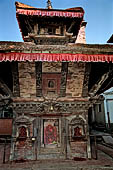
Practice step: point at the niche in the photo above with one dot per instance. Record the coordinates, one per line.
(22, 131)
(77, 128)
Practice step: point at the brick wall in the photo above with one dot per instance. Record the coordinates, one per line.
(75, 79)
(27, 79)
(78, 149)
(50, 67)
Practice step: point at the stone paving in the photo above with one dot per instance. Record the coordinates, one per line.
(104, 162)
(58, 165)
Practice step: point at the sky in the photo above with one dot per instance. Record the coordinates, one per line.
(98, 15)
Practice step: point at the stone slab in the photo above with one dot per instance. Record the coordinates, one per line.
(108, 139)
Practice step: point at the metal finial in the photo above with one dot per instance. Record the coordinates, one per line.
(49, 5)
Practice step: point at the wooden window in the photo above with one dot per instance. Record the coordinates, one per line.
(51, 84)
(6, 113)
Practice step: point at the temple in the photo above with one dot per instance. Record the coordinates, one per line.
(50, 83)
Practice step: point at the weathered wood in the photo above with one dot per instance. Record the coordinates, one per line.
(71, 26)
(64, 72)
(5, 92)
(16, 87)
(99, 84)
(86, 80)
(28, 25)
(36, 29)
(38, 66)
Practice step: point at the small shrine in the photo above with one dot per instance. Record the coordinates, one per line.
(52, 80)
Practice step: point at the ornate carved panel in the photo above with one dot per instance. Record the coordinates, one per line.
(38, 78)
(51, 106)
(86, 80)
(51, 40)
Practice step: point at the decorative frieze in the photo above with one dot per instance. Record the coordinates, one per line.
(51, 107)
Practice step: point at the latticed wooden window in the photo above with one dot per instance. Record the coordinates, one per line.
(51, 84)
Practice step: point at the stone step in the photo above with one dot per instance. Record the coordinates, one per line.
(108, 139)
(49, 150)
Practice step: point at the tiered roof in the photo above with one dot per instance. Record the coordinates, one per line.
(29, 10)
(22, 51)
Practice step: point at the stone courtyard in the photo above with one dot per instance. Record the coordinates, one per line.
(61, 165)
(103, 162)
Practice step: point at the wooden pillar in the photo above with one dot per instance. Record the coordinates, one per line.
(64, 31)
(4, 154)
(86, 80)
(36, 29)
(88, 139)
(38, 66)
(64, 72)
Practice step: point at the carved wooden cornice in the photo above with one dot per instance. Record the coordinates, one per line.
(51, 107)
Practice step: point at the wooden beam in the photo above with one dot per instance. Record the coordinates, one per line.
(36, 29)
(71, 26)
(29, 27)
(99, 84)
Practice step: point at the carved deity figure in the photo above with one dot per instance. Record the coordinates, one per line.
(50, 134)
(77, 131)
(22, 137)
(22, 132)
